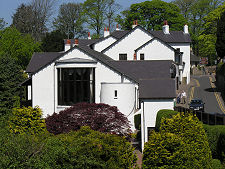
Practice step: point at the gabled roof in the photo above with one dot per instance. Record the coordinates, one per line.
(166, 44)
(125, 34)
(76, 60)
(119, 33)
(39, 60)
(172, 37)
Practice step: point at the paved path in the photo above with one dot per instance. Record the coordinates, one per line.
(205, 89)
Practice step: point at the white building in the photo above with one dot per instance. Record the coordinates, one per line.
(138, 71)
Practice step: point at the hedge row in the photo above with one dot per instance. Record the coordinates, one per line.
(164, 113)
(216, 139)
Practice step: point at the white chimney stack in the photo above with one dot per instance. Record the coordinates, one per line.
(89, 35)
(106, 32)
(186, 29)
(117, 27)
(135, 23)
(76, 42)
(166, 28)
(67, 45)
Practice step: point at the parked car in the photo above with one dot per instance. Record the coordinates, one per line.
(196, 104)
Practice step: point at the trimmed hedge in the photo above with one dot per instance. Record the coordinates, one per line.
(180, 143)
(164, 113)
(216, 164)
(216, 139)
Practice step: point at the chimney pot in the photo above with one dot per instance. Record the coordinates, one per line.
(166, 28)
(134, 24)
(106, 32)
(89, 35)
(68, 41)
(117, 27)
(135, 56)
(186, 29)
(76, 42)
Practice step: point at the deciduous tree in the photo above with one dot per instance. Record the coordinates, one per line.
(2, 23)
(220, 43)
(151, 14)
(17, 46)
(70, 21)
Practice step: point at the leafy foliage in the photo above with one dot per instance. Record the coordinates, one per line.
(53, 42)
(10, 78)
(216, 139)
(216, 164)
(70, 21)
(81, 149)
(220, 43)
(100, 117)
(151, 15)
(162, 114)
(180, 143)
(27, 120)
(86, 149)
(2, 23)
(17, 46)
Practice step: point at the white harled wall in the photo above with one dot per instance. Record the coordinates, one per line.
(45, 82)
(156, 50)
(104, 44)
(127, 45)
(149, 108)
(185, 48)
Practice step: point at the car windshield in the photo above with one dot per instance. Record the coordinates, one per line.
(196, 102)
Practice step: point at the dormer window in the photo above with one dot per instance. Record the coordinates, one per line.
(122, 56)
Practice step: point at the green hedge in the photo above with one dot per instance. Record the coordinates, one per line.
(164, 113)
(216, 139)
(180, 143)
(216, 164)
(137, 121)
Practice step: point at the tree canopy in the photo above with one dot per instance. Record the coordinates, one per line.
(2, 23)
(17, 46)
(151, 15)
(70, 20)
(220, 43)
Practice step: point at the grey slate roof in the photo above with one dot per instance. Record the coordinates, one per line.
(119, 33)
(173, 37)
(194, 58)
(153, 77)
(157, 89)
(39, 60)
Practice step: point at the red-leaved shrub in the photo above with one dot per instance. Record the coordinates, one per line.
(100, 117)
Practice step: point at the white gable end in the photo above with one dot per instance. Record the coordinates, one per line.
(104, 44)
(128, 44)
(156, 50)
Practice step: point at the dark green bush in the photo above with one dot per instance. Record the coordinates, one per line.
(165, 113)
(216, 139)
(84, 148)
(180, 143)
(216, 164)
(137, 121)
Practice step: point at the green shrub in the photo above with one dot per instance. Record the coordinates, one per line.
(137, 121)
(216, 164)
(27, 120)
(216, 139)
(180, 143)
(85, 148)
(165, 113)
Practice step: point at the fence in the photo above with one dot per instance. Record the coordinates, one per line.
(206, 118)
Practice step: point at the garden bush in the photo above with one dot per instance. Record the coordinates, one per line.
(165, 113)
(180, 143)
(216, 139)
(85, 148)
(100, 117)
(216, 164)
(27, 120)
